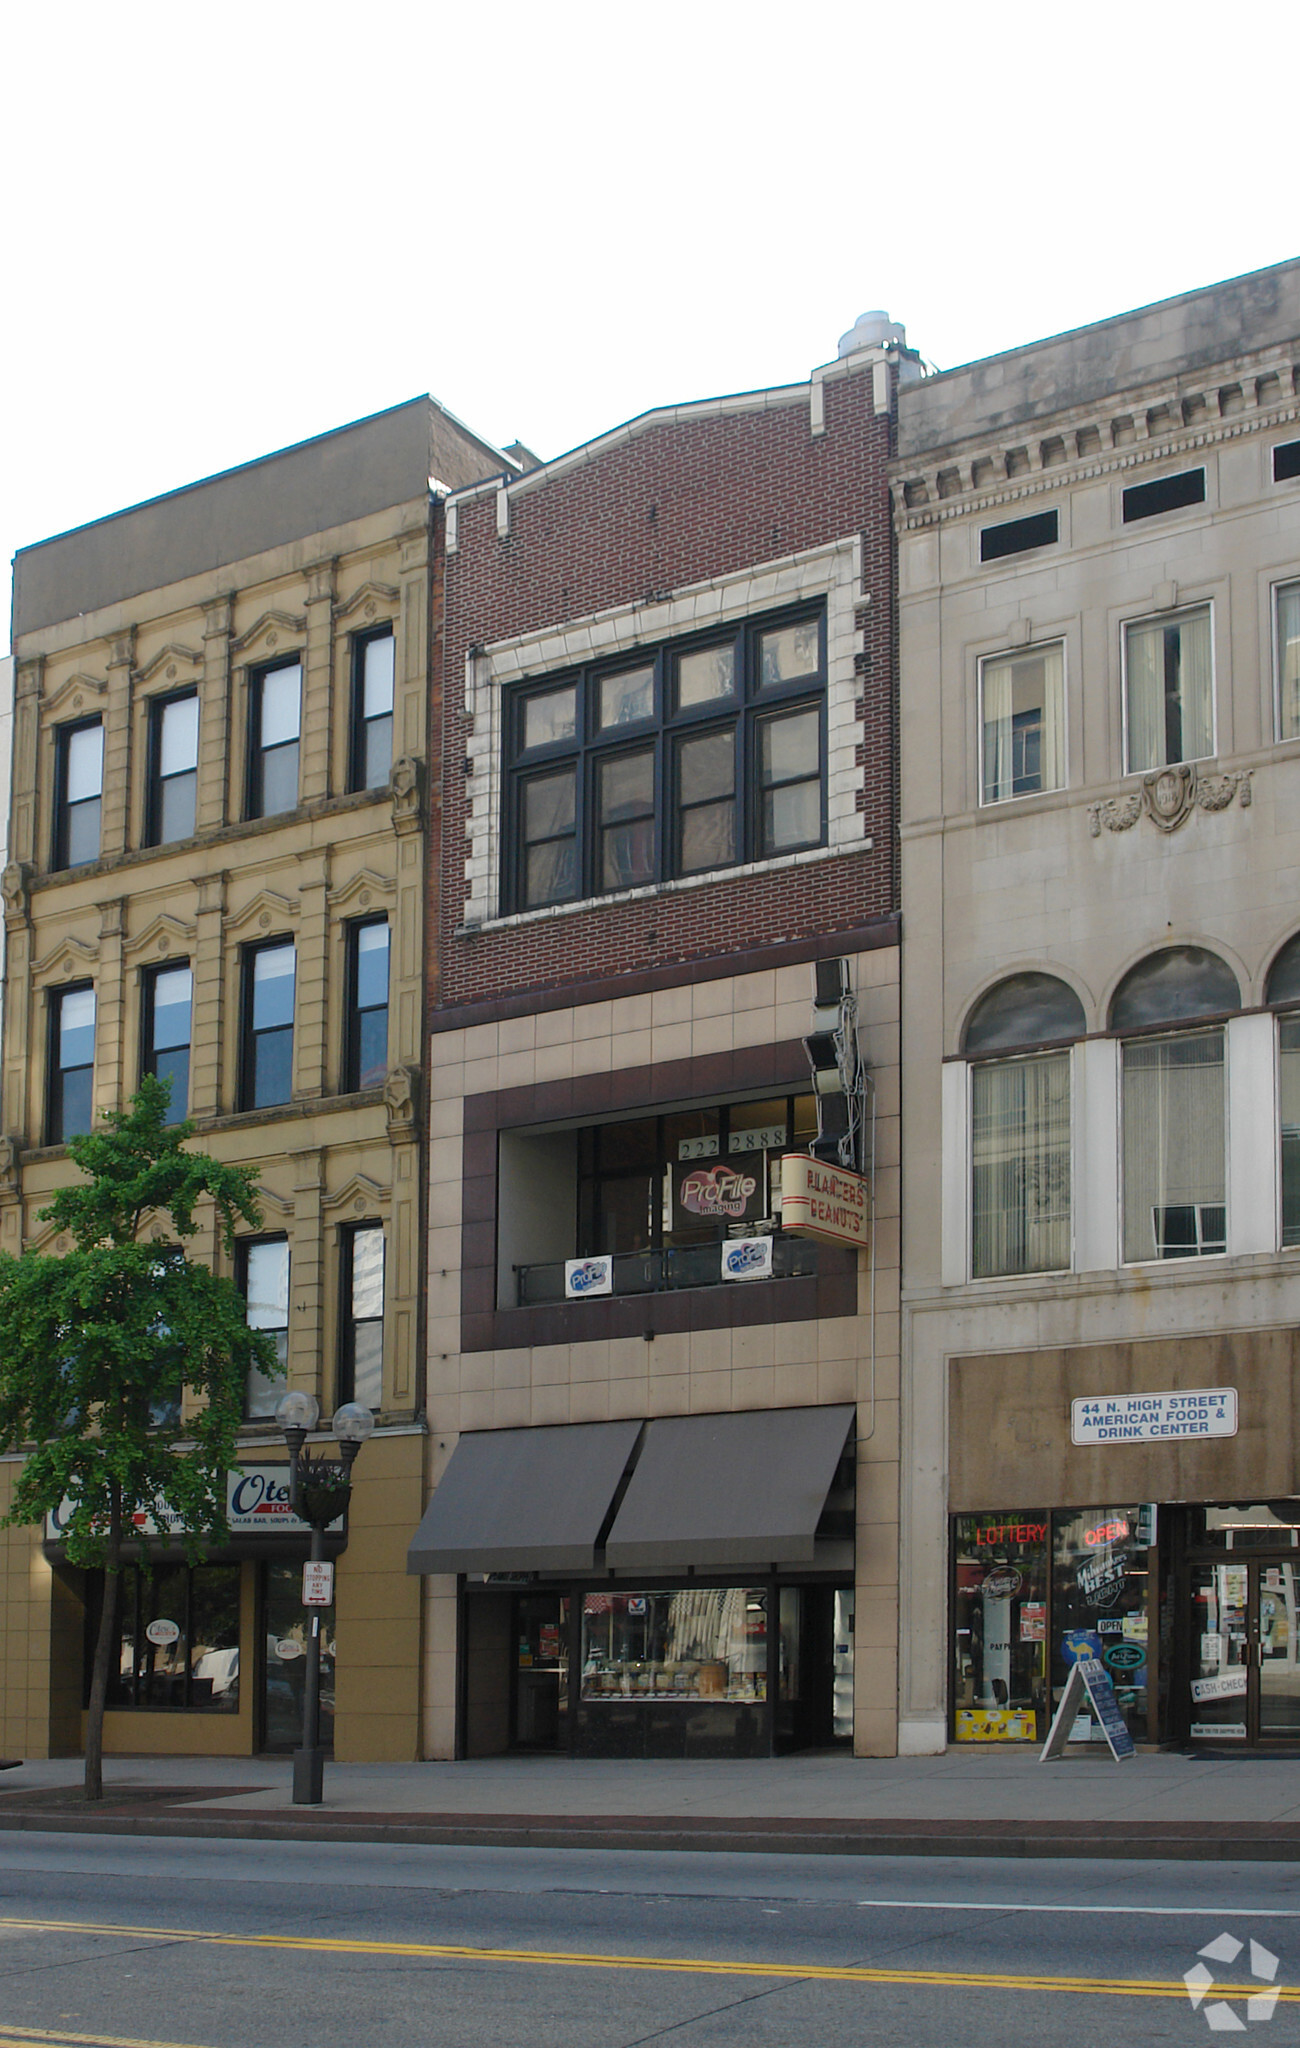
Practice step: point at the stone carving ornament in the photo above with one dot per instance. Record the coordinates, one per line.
(1168, 796)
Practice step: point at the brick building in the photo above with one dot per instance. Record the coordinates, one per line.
(664, 1517)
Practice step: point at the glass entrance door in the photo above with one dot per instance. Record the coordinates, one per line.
(1245, 1652)
(285, 1622)
(541, 1690)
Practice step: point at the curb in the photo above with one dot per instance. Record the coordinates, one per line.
(1222, 1843)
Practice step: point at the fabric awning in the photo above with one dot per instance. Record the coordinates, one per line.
(530, 1500)
(729, 1490)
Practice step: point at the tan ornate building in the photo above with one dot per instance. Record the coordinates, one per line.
(216, 874)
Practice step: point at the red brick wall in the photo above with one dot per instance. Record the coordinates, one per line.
(679, 503)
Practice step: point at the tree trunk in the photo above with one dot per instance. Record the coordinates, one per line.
(99, 1677)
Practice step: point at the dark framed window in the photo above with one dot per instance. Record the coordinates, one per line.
(263, 1264)
(70, 1108)
(79, 786)
(372, 709)
(1018, 536)
(267, 1067)
(165, 1039)
(177, 1638)
(691, 756)
(366, 1051)
(274, 725)
(361, 1359)
(173, 768)
(1166, 494)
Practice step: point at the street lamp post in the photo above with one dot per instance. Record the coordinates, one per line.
(318, 1491)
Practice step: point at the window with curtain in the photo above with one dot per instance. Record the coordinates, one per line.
(1288, 661)
(1173, 1111)
(1022, 717)
(1169, 674)
(1020, 1166)
(1288, 1061)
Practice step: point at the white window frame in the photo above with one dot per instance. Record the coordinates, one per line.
(1276, 593)
(1191, 1029)
(1169, 618)
(1020, 654)
(832, 573)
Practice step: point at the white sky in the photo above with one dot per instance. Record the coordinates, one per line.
(228, 228)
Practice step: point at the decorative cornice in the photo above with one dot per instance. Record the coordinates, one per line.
(1060, 450)
(164, 935)
(76, 687)
(269, 628)
(271, 911)
(362, 889)
(372, 599)
(168, 658)
(359, 1193)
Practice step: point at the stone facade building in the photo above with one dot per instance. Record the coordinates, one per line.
(1099, 572)
(216, 874)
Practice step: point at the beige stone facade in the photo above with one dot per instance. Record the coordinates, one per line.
(1060, 511)
(849, 1357)
(306, 558)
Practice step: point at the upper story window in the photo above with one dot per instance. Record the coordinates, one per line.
(1166, 494)
(366, 1049)
(372, 709)
(361, 1363)
(274, 724)
(1173, 1104)
(1286, 461)
(165, 1038)
(1287, 659)
(173, 769)
(1284, 993)
(267, 1068)
(1020, 1126)
(79, 785)
(1022, 719)
(264, 1280)
(694, 756)
(70, 1096)
(1018, 536)
(1169, 686)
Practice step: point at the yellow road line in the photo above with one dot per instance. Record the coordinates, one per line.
(38, 2037)
(694, 1966)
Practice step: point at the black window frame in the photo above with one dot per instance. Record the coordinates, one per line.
(353, 1028)
(244, 1249)
(361, 724)
(1173, 493)
(349, 1321)
(56, 1131)
(156, 780)
(249, 1034)
(178, 1108)
(662, 733)
(1020, 536)
(255, 793)
(63, 808)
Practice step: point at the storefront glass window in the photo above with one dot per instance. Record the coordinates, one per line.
(1000, 1622)
(699, 1643)
(287, 1622)
(1100, 1605)
(178, 1638)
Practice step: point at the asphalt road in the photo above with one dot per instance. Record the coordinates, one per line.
(224, 1944)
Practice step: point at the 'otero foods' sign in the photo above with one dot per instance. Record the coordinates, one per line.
(824, 1201)
(257, 1501)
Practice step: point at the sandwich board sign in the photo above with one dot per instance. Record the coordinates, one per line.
(1090, 1681)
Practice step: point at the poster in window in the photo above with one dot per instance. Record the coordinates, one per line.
(730, 1191)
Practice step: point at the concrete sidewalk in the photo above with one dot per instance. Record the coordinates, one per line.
(975, 1802)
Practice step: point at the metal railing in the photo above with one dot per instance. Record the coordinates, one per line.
(656, 1272)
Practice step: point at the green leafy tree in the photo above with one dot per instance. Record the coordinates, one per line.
(100, 1345)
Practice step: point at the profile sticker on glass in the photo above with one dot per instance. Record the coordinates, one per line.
(747, 1258)
(588, 1276)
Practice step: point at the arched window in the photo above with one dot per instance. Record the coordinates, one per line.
(1284, 990)
(1020, 1126)
(1174, 987)
(1022, 1011)
(1174, 1104)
